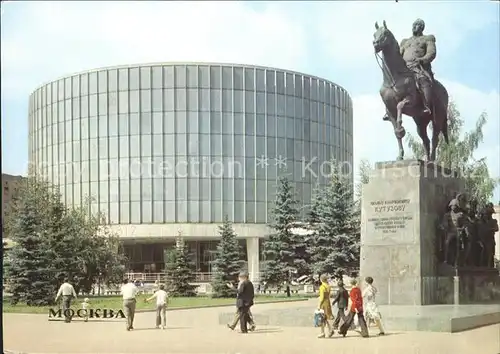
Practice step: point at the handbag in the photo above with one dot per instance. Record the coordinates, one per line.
(319, 318)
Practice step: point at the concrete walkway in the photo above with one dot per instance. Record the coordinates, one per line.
(197, 331)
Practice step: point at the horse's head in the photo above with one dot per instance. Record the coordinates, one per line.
(382, 37)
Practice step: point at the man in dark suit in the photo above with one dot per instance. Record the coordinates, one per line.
(342, 300)
(244, 300)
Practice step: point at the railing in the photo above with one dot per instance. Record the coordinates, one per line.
(152, 277)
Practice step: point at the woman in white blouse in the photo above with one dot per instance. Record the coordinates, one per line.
(370, 306)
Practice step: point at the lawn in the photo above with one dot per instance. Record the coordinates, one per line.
(115, 302)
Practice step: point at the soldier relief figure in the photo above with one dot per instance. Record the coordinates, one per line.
(409, 86)
(488, 226)
(468, 235)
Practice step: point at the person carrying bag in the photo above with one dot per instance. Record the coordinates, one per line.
(356, 309)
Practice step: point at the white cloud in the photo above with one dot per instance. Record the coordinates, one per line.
(348, 30)
(64, 37)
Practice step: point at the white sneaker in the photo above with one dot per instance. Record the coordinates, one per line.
(162, 327)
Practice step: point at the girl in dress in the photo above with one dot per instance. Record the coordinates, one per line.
(372, 312)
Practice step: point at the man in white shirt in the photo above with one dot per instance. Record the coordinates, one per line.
(129, 292)
(161, 306)
(67, 292)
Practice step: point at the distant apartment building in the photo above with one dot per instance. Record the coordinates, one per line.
(10, 186)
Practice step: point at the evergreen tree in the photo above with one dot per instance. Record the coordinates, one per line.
(285, 252)
(227, 263)
(30, 268)
(458, 155)
(334, 246)
(180, 270)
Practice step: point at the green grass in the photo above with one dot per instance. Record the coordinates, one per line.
(115, 302)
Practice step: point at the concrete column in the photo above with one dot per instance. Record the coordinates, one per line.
(253, 259)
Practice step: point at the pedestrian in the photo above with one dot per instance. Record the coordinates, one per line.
(355, 310)
(85, 307)
(244, 300)
(161, 297)
(325, 305)
(68, 293)
(236, 318)
(341, 300)
(371, 309)
(129, 292)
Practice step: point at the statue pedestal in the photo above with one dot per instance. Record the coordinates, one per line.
(401, 207)
(470, 285)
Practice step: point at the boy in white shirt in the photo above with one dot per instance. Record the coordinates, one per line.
(161, 297)
(85, 308)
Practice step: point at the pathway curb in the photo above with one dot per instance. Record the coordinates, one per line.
(227, 305)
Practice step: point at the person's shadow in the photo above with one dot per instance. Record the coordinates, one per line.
(266, 330)
(158, 329)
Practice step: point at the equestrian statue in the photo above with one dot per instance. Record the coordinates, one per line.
(409, 86)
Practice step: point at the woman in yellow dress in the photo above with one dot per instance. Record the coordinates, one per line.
(325, 305)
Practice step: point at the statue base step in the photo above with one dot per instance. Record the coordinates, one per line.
(432, 318)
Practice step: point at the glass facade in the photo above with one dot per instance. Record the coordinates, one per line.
(150, 257)
(187, 143)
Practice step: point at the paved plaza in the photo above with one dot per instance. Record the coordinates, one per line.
(198, 331)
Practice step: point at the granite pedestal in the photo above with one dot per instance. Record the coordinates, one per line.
(401, 207)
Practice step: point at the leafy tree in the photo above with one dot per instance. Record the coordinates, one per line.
(458, 154)
(227, 262)
(180, 270)
(283, 249)
(99, 252)
(334, 246)
(364, 176)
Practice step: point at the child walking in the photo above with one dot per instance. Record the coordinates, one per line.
(161, 297)
(85, 308)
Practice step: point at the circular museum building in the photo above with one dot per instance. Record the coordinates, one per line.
(172, 148)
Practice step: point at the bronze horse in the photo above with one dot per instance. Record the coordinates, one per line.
(401, 96)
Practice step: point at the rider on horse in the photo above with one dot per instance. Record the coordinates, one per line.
(418, 52)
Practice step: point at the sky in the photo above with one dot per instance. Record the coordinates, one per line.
(42, 41)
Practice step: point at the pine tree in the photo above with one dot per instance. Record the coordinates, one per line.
(227, 263)
(334, 246)
(180, 270)
(30, 270)
(285, 252)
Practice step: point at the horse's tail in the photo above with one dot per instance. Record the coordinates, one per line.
(445, 129)
(445, 101)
